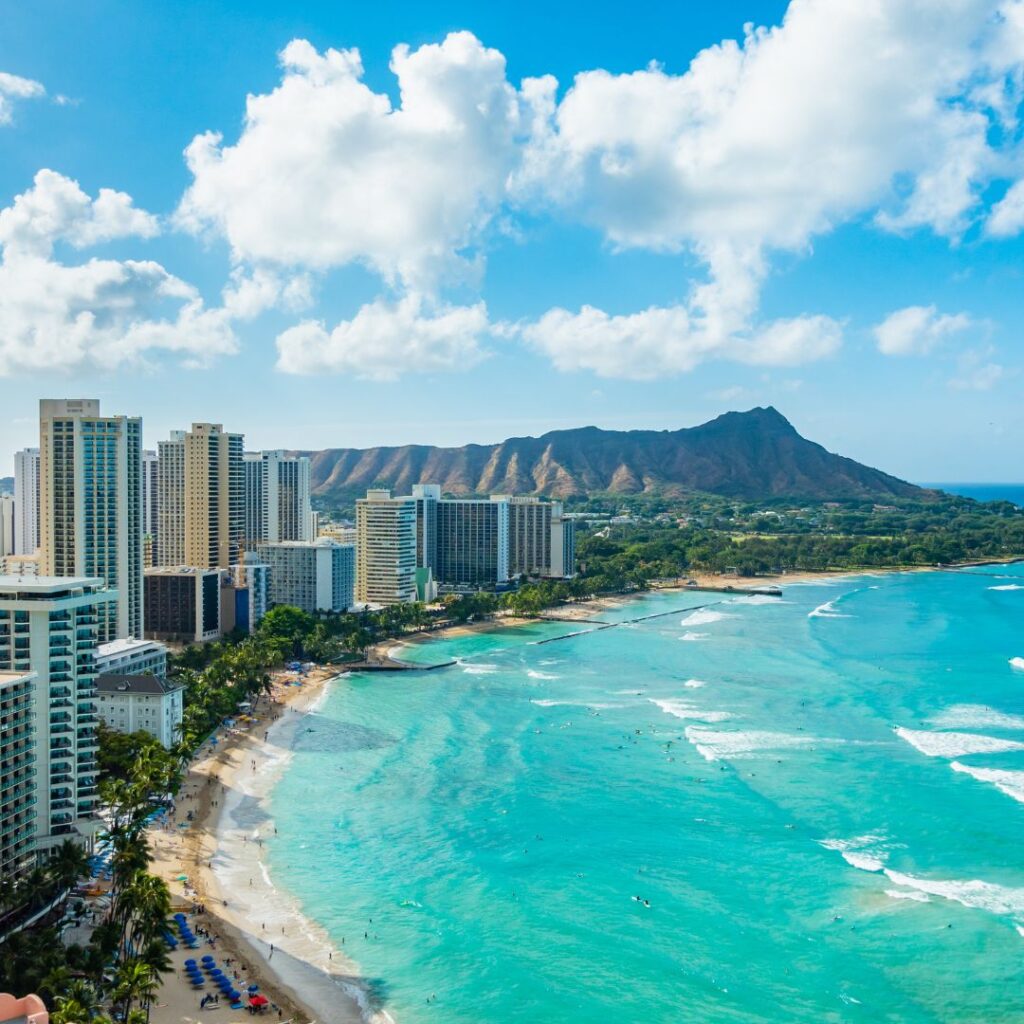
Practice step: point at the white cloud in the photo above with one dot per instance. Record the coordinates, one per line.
(384, 340)
(56, 209)
(976, 371)
(845, 109)
(916, 330)
(1007, 217)
(102, 312)
(14, 88)
(669, 340)
(326, 172)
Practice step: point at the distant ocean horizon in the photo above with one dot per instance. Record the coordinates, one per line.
(984, 492)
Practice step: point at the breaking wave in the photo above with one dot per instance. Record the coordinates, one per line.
(955, 744)
(684, 709)
(704, 617)
(1006, 781)
(976, 716)
(715, 745)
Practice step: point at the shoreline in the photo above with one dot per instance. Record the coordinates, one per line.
(228, 800)
(221, 854)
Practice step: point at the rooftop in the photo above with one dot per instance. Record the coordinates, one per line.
(124, 646)
(111, 683)
(48, 584)
(14, 677)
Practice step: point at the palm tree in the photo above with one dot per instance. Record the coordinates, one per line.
(134, 982)
(68, 863)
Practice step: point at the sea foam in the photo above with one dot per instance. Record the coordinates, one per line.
(859, 851)
(1017, 663)
(757, 599)
(704, 617)
(975, 716)
(691, 636)
(827, 611)
(684, 709)
(955, 744)
(715, 745)
(694, 684)
(1006, 781)
(1008, 586)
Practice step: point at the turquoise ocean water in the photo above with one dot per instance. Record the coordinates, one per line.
(819, 798)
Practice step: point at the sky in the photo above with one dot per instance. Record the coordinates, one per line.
(338, 224)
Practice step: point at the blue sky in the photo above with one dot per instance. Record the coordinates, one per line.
(518, 222)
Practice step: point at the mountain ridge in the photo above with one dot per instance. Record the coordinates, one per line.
(749, 455)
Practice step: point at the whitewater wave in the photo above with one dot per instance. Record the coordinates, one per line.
(704, 617)
(955, 744)
(684, 709)
(535, 673)
(694, 684)
(473, 669)
(1006, 781)
(756, 599)
(715, 745)
(1008, 586)
(908, 894)
(690, 636)
(856, 853)
(976, 716)
(1017, 663)
(545, 702)
(827, 611)
(974, 893)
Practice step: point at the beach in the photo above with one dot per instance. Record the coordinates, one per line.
(219, 854)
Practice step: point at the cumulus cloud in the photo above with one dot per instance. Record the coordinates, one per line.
(916, 330)
(385, 339)
(1007, 217)
(14, 88)
(977, 372)
(327, 172)
(103, 312)
(667, 340)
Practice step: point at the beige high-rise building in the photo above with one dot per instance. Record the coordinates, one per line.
(214, 496)
(200, 498)
(170, 500)
(385, 549)
(90, 505)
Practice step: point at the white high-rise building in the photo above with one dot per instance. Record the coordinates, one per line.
(385, 549)
(314, 576)
(426, 497)
(6, 525)
(170, 500)
(277, 502)
(48, 625)
(90, 505)
(26, 501)
(150, 503)
(17, 783)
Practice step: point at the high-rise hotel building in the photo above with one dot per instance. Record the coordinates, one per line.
(150, 504)
(90, 505)
(541, 541)
(385, 549)
(48, 626)
(170, 500)
(277, 502)
(17, 770)
(200, 497)
(472, 543)
(26, 501)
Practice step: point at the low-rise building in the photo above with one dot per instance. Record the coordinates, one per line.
(317, 576)
(133, 703)
(182, 604)
(131, 657)
(17, 767)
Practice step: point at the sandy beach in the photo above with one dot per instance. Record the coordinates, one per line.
(219, 850)
(256, 927)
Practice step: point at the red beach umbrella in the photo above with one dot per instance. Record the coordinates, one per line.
(258, 1000)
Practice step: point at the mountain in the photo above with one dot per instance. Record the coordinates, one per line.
(752, 455)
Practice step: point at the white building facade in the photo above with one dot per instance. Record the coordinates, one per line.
(132, 657)
(317, 576)
(48, 625)
(17, 765)
(385, 549)
(134, 703)
(26, 501)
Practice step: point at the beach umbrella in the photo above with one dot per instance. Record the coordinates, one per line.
(190, 962)
(258, 1001)
(253, 989)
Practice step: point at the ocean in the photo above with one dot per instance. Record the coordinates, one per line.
(742, 810)
(985, 492)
